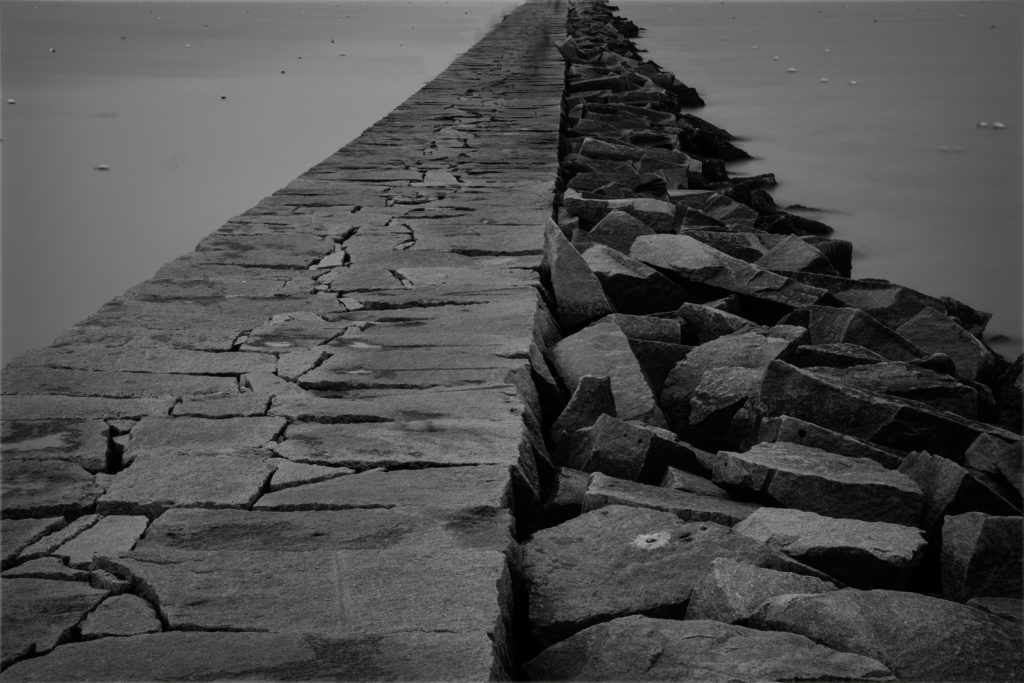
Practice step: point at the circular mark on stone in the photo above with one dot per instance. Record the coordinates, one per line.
(652, 541)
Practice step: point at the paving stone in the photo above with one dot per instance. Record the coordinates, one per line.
(446, 488)
(603, 490)
(246, 404)
(45, 488)
(150, 360)
(157, 481)
(732, 591)
(288, 473)
(812, 479)
(274, 251)
(39, 614)
(917, 636)
(80, 441)
(861, 554)
(50, 542)
(26, 407)
(793, 430)
(602, 349)
(981, 556)
(157, 435)
(42, 380)
(18, 534)
(286, 331)
(108, 536)
(46, 568)
(619, 560)
(641, 648)
(121, 615)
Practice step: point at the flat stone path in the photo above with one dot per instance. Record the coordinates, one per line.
(298, 449)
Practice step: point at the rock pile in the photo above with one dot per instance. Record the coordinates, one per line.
(758, 466)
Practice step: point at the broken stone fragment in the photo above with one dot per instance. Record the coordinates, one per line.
(616, 231)
(110, 535)
(657, 358)
(631, 286)
(121, 615)
(288, 473)
(578, 293)
(835, 355)
(657, 215)
(566, 498)
(716, 404)
(795, 254)
(933, 331)
(705, 323)
(981, 556)
(618, 560)
(681, 480)
(827, 325)
(46, 568)
(793, 430)
(631, 450)
(602, 349)
(43, 488)
(858, 553)
(732, 591)
(917, 636)
(603, 490)
(591, 398)
(155, 435)
(18, 534)
(815, 480)
(642, 648)
(47, 544)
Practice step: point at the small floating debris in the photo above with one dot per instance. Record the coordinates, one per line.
(753, 47)
(854, 83)
(188, 44)
(53, 50)
(823, 80)
(791, 70)
(282, 70)
(998, 125)
(11, 101)
(775, 58)
(223, 97)
(827, 50)
(981, 124)
(951, 149)
(341, 54)
(101, 167)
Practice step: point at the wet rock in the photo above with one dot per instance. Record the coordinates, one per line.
(786, 428)
(827, 325)
(44, 488)
(603, 490)
(109, 536)
(641, 648)
(795, 254)
(631, 450)
(981, 556)
(602, 349)
(932, 331)
(835, 355)
(566, 499)
(40, 614)
(578, 293)
(917, 636)
(591, 398)
(616, 231)
(681, 480)
(732, 591)
(815, 480)
(121, 615)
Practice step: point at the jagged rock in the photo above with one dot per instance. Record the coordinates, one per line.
(591, 398)
(1008, 391)
(46, 568)
(815, 480)
(18, 534)
(658, 215)
(861, 554)
(108, 536)
(649, 328)
(657, 359)
(42, 488)
(949, 489)
(566, 499)
(793, 253)
(742, 245)
(996, 461)
(786, 428)
(835, 355)
(732, 591)
(906, 380)
(706, 323)
(882, 420)
(933, 331)
(631, 450)
(639, 648)
(917, 636)
(617, 231)
(157, 481)
(603, 349)
(1006, 608)
(40, 614)
(577, 291)
(681, 480)
(631, 286)
(121, 615)
(741, 350)
(716, 401)
(827, 325)
(603, 490)
(696, 262)
(620, 560)
(784, 223)
(981, 556)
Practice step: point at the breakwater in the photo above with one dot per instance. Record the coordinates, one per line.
(522, 383)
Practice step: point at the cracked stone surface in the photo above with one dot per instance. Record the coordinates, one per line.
(38, 614)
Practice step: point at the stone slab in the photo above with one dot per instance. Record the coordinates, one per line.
(121, 615)
(110, 535)
(46, 488)
(39, 614)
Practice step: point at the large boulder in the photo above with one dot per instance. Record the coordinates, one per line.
(981, 556)
(603, 490)
(786, 428)
(815, 480)
(933, 331)
(591, 399)
(794, 253)
(578, 293)
(616, 231)
(828, 325)
(705, 323)
(631, 286)
(861, 554)
(917, 636)
(640, 648)
(618, 560)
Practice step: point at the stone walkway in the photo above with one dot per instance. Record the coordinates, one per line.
(295, 453)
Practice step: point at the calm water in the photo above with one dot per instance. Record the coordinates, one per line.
(928, 199)
(187, 104)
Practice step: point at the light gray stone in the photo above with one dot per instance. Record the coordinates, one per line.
(44, 488)
(247, 404)
(793, 430)
(288, 473)
(681, 480)
(18, 534)
(83, 442)
(161, 435)
(39, 614)
(578, 293)
(30, 407)
(121, 615)
(108, 536)
(47, 544)
(603, 490)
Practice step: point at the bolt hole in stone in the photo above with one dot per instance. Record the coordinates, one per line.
(652, 541)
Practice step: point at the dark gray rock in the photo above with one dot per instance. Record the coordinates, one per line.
(715, 404)
(858, 553)
(631, 286)
(640, 648)
(795, 254)
(917, 636)
(18, 534)
(618, 560)
(40, 614)
(1006, 608)
(591, 399)
(603, 490)
(43, 488)
(836, 355)
(617, 231)
(828, 325)
(732, 591)
(815, 480)
(786, 428)
(933, 331)
(981, 556)
(681, 480)
(566, 499)
(578, 293)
